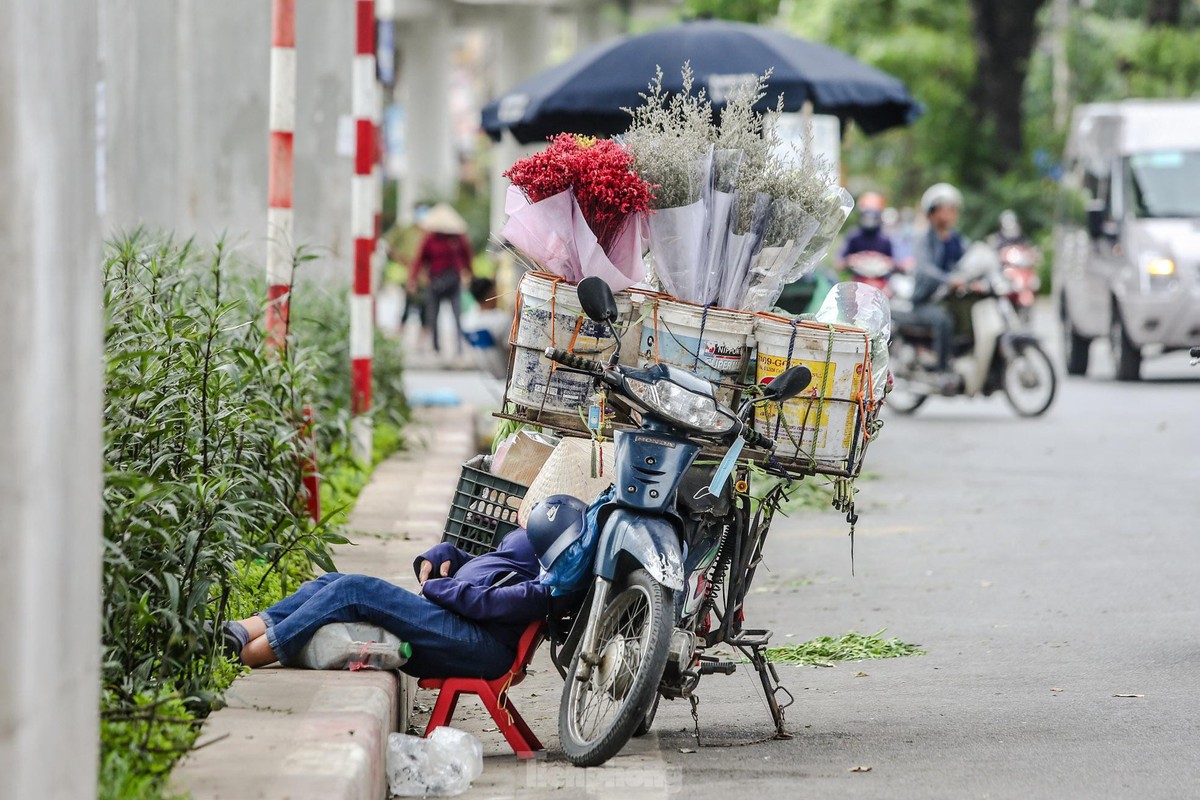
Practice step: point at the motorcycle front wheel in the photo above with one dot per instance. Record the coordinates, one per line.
(599, 714)
(1029, 380)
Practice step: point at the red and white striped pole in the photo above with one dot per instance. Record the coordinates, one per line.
(282, 123)
(363, 203)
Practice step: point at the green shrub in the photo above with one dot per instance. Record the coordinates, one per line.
(204, 512)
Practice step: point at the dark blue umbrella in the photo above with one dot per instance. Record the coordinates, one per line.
(586, 93)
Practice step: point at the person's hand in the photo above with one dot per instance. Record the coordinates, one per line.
(957, 284)
(427, 568)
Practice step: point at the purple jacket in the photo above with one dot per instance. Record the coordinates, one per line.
(499, 589)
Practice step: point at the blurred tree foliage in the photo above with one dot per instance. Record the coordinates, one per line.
(739, 10)
(1115, 49)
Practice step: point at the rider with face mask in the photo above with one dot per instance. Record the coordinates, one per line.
(869, 238)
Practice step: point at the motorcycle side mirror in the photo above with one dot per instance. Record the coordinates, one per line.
(786, 386)
(597, 300)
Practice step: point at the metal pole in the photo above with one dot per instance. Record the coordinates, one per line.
(364, 200)
(280, 171)
(282, 121)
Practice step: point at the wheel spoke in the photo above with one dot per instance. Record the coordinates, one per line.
(624, 631)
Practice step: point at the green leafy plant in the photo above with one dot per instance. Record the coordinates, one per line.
(851, 646)
(205, 517)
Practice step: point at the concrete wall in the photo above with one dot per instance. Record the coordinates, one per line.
(50, 408)
(186, 121)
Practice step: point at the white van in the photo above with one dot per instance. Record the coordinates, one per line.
(1127, 239)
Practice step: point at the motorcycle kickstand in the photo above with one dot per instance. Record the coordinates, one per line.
(768, 676)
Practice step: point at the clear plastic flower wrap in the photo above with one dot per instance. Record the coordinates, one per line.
(679, 237)
(789, 229)
(742, 246)
(721, 204)
(832, 211)
(861, 306)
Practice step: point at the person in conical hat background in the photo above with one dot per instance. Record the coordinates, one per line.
(443, 263)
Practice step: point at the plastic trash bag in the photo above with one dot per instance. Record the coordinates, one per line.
(861, 306)
(443, 765)
(354, 646)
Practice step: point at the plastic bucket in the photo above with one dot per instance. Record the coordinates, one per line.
(550, 316)
(711, 342)
(822, 428)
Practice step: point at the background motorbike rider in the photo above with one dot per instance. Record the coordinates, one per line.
(1010, 233)
(936, 255)
(869, 237)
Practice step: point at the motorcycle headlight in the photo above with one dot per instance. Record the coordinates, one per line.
(677, 404)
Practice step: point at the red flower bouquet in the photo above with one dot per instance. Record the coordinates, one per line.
(579, 209)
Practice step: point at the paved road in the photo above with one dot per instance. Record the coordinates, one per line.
(1047, 565)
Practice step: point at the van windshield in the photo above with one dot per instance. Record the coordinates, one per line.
(1163, 183)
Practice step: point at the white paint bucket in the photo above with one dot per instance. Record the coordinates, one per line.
(822, 429)
(550, 316)
(711, 342)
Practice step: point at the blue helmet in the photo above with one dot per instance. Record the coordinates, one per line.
(553, 525)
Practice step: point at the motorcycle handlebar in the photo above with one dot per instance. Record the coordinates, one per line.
(756, 439)
(573, 361)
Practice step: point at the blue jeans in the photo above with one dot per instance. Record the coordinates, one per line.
(444, 644)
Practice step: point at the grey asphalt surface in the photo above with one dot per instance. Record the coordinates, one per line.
(1046, 565)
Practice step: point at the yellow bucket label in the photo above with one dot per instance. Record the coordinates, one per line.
(801, 426)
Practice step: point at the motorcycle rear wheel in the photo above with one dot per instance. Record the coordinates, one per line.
(598, 716)
(904, 401)
(1029, 380)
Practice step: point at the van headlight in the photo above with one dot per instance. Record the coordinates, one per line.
(1159, 266)
(679, 405)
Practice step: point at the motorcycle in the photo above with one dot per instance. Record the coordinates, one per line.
(1019, 265)
(677, 544)
(871, 268)
(992, 350)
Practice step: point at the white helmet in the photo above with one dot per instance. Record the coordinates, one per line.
(941, 194)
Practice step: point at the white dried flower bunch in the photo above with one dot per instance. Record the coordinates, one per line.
(669, 139)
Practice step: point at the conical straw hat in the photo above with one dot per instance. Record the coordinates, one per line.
(442, 218)
(568, 470)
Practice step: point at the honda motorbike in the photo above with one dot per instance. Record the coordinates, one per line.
(677, 547)
(871, 268)
(992, 350)
(1019, 265)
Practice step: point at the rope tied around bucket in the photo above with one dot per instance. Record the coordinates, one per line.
(700, 339)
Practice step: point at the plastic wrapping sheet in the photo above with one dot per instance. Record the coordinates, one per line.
(774, 266)
(554, 233)
(833, 211)
(740, 249)
(867, 308)
(678, 237)
(721, 207)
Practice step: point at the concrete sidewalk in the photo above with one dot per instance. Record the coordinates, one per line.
(312, 734)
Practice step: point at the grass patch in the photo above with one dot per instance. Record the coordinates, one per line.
(852, 646)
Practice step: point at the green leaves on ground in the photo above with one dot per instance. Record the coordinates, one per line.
(852, 646)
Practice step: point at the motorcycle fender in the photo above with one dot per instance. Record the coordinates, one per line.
(987, 324)
(1010, 341)
(1020, 338)
(652, 540)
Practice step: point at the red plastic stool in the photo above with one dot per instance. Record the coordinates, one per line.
(494, 695)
